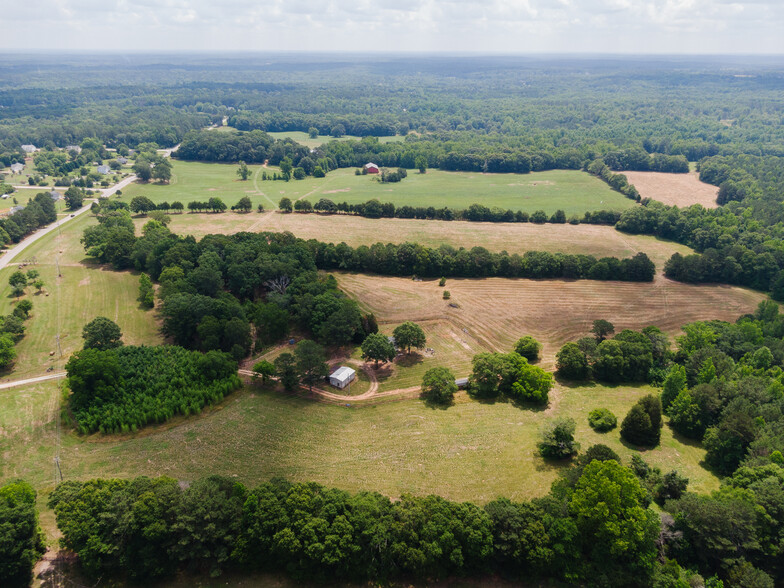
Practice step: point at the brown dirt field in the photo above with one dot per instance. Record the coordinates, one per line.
(674, 189)
(596, 240)
(496, 312)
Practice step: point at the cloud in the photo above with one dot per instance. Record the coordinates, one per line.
(663, 26)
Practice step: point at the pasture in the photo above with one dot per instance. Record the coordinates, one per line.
(680, 190)
(574, 192)
(470, 451)
(67, 303)
(597, 240)
(304, 139)
(493, 313)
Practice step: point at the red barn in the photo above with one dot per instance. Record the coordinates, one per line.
(371, 168)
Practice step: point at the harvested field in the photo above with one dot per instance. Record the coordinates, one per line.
(496, 311)
(595, 240)
(674, 189)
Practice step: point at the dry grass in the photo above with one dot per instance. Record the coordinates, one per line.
(495, 312)
(674, 189)
(596, 240)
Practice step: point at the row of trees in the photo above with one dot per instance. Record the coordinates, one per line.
(407, 259)
(476, 212)
(38, 212)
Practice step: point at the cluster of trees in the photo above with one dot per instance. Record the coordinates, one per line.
(38, 212)
(594, 527)
(407, 259)
(629, 356)
(12, 326)
(508, 375)
(123, 388)
(22, 541)
(638, 159)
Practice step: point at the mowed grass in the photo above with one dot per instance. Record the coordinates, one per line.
(304, 139)
(493, 313)
(600, 241)
(67, 303)
(469, 451)
(575, 192)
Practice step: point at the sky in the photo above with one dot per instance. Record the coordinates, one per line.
(492, 26)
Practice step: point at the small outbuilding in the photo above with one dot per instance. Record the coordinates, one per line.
(371, 168)
(122, 160)
(461, 383)
(55, 195)
(342, 377)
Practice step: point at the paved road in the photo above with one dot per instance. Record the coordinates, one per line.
(14, 383)
(24, 243)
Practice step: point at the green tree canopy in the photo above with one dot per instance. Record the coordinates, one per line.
(438, 385)
(409, 335)
(377, 347)
(102, 333)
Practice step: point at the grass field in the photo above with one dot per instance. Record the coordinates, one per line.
(470, 451)
(67, 303)
(493, 313)
(575, 192)
(304, 139)
(596, 240)
(674, 189)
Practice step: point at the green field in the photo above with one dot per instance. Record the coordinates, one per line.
(304, 139)
(575, 192)
(67, 303)
(471, 451)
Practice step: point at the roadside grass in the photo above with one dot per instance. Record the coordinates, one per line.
(67, 303)
(575, 192)
(600, 241)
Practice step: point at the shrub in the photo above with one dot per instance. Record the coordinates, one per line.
(528, 347)
(602, 420)
(557, 440)
(447, 295)
(643, 423)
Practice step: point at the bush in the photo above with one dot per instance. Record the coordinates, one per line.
(447, 295)
(438, 385)
(643, 423)
(602, 420)
(557, 440)
(571, 363)
(528, 347)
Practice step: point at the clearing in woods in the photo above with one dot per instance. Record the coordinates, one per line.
(575, 192)
(471, 451)
(304, 139)
(600, 241)
(680, 190)
(492, 313)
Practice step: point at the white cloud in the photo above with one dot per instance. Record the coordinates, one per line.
(664, 26)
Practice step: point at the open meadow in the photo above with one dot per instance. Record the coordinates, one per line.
(597, 240)
(574, 192)
(470, 451)
(303, 138)
(674, 189)
(67, 303)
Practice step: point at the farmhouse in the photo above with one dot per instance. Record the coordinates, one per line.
(371, 168)
(342, 377)
(15, 209)
(104, 169)
(122, 160)
(16, 168)
(29, 148)
(73, 148)
(55, 195)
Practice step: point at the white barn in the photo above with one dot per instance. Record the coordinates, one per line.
(342, 377)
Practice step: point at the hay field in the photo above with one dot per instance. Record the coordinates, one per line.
(495, 312)
(595, 240)
(303, 138)
(674, 189)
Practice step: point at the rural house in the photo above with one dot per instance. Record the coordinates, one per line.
(122, 160)
(55, 195)
(104, 169)
(73, 148)
(16, 168)
(29, 148)
(342, 377)
(15, 209)
(371, 168)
